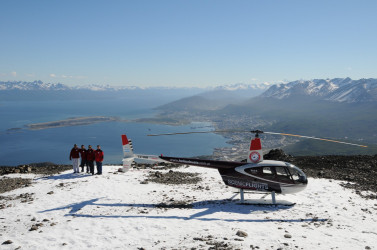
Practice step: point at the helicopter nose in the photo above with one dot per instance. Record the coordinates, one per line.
(303, 180)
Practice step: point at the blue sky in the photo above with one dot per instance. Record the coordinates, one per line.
(186, 43)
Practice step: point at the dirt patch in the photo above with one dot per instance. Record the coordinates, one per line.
(8, 184)
(44, 168)
(160, 166)
(173, 177)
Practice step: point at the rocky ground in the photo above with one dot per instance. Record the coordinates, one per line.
(44, 168)
(133, 211)
(357, 171)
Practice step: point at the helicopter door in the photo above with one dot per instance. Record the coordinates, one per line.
(279, 174)
(269, 173)
(283, 175)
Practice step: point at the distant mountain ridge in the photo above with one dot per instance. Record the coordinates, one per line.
(40, 91)
(335, 90)
(217, 97)
(36, 85)
(243, 86)
(209, 97)
(39, 85)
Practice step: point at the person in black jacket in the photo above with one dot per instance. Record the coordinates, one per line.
(90, 156)
(83, 159)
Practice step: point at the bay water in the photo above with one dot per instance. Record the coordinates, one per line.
(19, 145)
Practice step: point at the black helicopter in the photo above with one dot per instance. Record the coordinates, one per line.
(256, 174)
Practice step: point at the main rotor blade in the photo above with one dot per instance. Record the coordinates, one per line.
(199, 132)
(254, 131)
(315, 138)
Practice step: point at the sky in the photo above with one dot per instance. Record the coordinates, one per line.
(196, 43)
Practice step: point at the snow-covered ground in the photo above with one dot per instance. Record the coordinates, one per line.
(117, 211)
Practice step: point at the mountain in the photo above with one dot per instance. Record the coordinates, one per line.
(40, 91)
(339, 108)
(28, 86)
(217, 98)
(335, 90)
(244, 87)
(191, 103)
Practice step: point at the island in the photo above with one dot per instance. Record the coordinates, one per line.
(75, 121)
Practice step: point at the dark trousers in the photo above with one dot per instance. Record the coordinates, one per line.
(91, 166)
(83, 164)
(99, 167)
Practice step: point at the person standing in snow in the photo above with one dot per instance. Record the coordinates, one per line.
(75, 156)
(83, 159)
(90, 156)
(99, 159)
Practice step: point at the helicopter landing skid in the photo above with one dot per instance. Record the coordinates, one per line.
(263, 201)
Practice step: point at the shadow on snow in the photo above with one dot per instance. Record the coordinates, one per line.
(65, 176)
(211, 207)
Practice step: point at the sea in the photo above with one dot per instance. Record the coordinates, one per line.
(20, 145)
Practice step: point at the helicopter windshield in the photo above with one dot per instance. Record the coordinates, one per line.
(297, 174)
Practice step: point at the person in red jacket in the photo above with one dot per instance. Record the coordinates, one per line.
(90, 156)
(83, 159)
(75, 156)
(99, 159)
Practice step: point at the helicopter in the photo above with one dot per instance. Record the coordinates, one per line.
(256, 174)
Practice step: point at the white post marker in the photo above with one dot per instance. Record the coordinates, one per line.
(242, 195)
(273, 198)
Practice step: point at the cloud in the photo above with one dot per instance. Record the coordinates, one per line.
(13, 73)
(52, 75)
(30, 75)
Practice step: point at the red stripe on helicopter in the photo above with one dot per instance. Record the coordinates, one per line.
(124, 140)
(255, 144)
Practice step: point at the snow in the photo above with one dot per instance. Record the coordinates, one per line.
(117, 211)
(243, 86)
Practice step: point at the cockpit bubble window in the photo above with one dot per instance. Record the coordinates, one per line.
(297, 174)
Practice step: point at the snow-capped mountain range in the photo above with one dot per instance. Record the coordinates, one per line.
(243, 86)
(36, 85)
(336, 90)
(39, 85)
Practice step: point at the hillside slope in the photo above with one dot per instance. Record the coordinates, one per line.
(126, 211)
